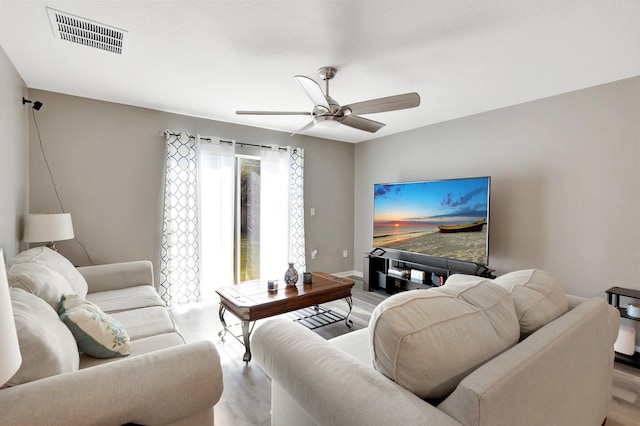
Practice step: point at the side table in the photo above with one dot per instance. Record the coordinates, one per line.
(613, 297)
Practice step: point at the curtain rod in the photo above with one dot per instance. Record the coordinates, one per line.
(230, 142)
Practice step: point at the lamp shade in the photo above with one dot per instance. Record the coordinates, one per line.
(48, 227)
(10, 358)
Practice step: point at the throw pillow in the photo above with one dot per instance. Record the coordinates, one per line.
(98, 334)
(427, 341)
(39, 280)
(54, 260)
(46, 345)
(537, 295)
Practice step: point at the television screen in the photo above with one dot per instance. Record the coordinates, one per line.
(442, 218)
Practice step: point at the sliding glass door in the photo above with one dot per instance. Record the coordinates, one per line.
(247, 219)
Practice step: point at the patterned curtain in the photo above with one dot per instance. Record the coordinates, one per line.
(296, 208)
(180, 251)
(192, 207)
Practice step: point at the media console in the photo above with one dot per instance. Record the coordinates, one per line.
(392, 271)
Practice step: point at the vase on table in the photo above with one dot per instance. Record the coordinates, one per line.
(291, 276)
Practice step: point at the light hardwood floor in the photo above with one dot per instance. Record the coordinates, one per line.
(246, 397)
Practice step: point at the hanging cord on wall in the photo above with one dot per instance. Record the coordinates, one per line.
(55, 188)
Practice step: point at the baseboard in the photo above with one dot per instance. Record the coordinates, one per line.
(347, 274)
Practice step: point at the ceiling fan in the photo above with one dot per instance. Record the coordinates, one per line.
(328, 113)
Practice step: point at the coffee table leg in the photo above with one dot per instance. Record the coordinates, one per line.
(347, 321)
(247, 344)
(222, 332)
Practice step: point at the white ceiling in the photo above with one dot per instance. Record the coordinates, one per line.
(210, 58)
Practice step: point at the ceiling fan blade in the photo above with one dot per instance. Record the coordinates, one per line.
(272, 113)
(390, 103)
(361, 123)
(313, 91)
(304, 128)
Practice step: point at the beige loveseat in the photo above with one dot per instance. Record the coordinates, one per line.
(161, 381)
(516, 351)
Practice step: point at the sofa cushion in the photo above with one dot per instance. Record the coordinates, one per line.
(46, 345)
(139, 347)
(145, 322)
(57, 262)
(356, 343)
(40, 281)
(537, 295)
(429, 340)
(124, 299)
(98, 334)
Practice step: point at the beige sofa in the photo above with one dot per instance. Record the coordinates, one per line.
(161, 381)
(422, 361)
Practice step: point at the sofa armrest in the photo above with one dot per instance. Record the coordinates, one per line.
(331, 386)
(114, 276)
(151, 389)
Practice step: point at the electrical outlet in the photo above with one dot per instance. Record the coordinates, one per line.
(314, 254)
(345, 253)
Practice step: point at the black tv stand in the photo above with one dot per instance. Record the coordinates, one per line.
(386, 271)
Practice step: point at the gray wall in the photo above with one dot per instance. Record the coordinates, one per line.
(14, 149)
(565, 182)
(108, 161)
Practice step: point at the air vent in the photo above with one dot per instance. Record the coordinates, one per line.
(86, 32)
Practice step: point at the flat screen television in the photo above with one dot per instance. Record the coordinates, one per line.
(448, 218)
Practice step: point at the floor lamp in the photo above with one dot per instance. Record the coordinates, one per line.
(10, 358)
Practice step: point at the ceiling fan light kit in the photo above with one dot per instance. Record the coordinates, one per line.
(328, 113)
(326, 121)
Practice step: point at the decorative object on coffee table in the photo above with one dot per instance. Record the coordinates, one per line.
(291, 276)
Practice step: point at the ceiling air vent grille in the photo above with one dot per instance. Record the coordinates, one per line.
(86, 32)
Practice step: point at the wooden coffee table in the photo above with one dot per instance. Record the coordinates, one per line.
(252, 301)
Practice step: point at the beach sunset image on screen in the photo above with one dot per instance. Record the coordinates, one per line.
(443, 218)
